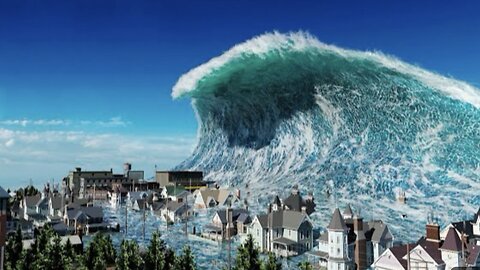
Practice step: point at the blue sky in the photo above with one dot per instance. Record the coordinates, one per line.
(88, 83)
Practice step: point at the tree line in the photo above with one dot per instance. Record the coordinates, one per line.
(47, 252)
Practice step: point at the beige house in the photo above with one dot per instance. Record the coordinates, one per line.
(211, 197)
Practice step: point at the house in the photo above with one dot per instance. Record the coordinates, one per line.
(29, 205)
(296, 202)
(75, 241)
(133, 196)
(56, 205)
(62, 229)
(140, 205)
(174, 193)
(25, 226)
(227, 223)
(393, 258)
(38, 220)
(359, 243)
(431, 252)
(86, 219)
(117, 195)
(284, 232)
(175, 211)
(212, 197)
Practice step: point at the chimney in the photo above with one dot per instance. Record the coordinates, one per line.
(237, 193)
(269, 208)
(309, 197)
(295, 190)
(304, 210)
(433, 232)
(360, 243)
(78, 169)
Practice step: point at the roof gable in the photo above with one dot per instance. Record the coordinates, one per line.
(392, 258)
(337, 223)
(452, 242)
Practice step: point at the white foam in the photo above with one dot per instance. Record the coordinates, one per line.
(299, 41)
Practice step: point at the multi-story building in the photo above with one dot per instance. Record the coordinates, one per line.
(191, 180)
(80, 182)
(351, 243)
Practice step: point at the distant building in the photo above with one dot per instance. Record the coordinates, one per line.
(191, 180)
(295, 202)
(79, 182)
(175, 211)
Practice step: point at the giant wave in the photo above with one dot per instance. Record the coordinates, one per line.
(285, 109)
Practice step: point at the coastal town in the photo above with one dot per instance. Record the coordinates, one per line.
(74, 209)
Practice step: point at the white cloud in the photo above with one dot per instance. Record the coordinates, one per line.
(10, 143)
(42, 155)
(112, 122)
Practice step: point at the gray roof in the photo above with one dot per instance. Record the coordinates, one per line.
(337, 222)
(452, 242)
(156, 206)
(32, 201)
(37, 217)
(348, 211)
(474, 251)
(380, 231)
(3, 194)
(244, 218)
(136, 195)
(174, 206)
(295, 202)
(91, 212)
(235, 214)
(284, 241)
(282, 219)
(56, 202)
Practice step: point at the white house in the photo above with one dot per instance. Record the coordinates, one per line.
(361, 242)
(451, 250)
(392, 258)
(284, 232)
(175, 211)
(338, 251)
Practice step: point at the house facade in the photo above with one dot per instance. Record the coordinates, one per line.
(285, 233)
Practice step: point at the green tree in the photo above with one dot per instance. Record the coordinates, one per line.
(272, 263)
(247, 256)
(169, 259)
(13, 250)
(155, 256)
(129, 257)
(185, 261)
(100, 253)
(305, 265)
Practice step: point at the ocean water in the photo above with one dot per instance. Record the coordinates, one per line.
(352, 127)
